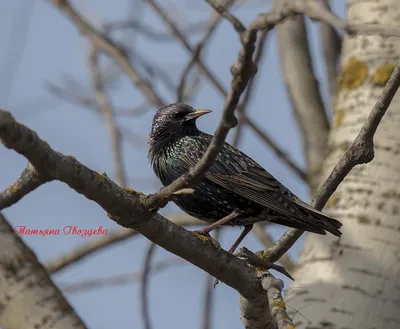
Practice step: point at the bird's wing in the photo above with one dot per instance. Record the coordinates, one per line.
(240, 174)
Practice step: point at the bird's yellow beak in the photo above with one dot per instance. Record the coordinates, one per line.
(196, 114)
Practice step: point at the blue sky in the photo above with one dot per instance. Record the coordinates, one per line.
(52, 50)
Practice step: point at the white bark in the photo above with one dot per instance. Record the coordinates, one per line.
(28, 298)
(354, 282)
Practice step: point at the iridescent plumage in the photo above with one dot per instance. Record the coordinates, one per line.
(235, 182)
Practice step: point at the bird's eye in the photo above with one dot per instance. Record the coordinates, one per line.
(179, 115)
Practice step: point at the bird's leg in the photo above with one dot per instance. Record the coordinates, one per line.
(242, 235)
(206, 231)
(218, 223)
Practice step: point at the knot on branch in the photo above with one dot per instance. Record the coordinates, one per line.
(362, 152)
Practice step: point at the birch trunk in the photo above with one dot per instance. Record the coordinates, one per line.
(354, 282)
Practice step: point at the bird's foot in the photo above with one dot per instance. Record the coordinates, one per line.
(206, 237)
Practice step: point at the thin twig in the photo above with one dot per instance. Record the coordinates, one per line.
(197, 50)
(95, 245)
(28, 181)
(261, 43)
(331, 46)
(148, 32)
(113, 50)
(182, 38)
(361, 151)
(266, 240)
(222, 10)
(275, 148)
(118, 280)
(145, 286)
(261, 263)
(105, 106)
(209, 293)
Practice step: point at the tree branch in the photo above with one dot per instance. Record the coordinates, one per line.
(276, 304)
(113, 50)
(331, 46)
(28, 181)
(145, 286)
(303, 91)
(106, 108)
(114, 237)
(197, 50)
(266, 240)
(261, 43)
(125, 207)
(117, 280)
(360, 152)
(275, 148)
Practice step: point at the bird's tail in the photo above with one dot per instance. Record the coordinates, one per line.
(327, 223)
(316, 221)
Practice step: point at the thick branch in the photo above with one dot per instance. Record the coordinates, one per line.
(125, 207)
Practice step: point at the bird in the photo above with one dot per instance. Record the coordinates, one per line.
(236, 190)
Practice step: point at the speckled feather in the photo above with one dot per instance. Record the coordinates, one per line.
(234, 181)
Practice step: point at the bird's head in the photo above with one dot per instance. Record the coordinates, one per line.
(174, 121)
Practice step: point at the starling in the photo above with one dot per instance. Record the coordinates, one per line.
(236, 190)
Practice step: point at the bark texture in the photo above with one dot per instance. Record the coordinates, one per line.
(354, 282)
(28, 298)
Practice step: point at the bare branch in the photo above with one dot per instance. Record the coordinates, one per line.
(360, 152)
(331, 45)
(275, 148)
(145, 286)
(148, 32)
(261, 263)
(98, 244)
(125, 207)
(197, 50)
(266, 240)
(239, 27)
(302, 88)
(105, 106)
(15, 47)
(316, 10)
(209, 293)
(181, 37)
(118, 280)
(274, 287)
(29, 181)
(262, 41)
(113, 50)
